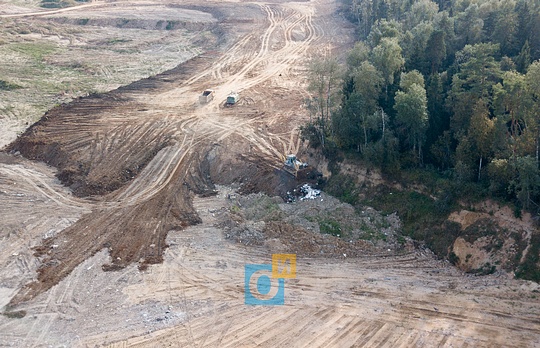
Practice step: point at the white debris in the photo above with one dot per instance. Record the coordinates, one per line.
(309, 192)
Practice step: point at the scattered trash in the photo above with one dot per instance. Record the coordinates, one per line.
(309, 192)
(302, 193)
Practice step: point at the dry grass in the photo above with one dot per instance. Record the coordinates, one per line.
(53, 62)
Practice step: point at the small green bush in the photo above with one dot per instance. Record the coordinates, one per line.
(342, 186)
(424, 219)
(330, 226)
(486, 269)
(57, 3)
(14, 314)
(530, 268)
(7, 86)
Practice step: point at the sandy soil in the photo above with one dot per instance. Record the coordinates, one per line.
(139, 167)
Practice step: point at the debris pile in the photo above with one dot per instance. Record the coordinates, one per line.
(302, 193)
(309, 192)
(311, 223)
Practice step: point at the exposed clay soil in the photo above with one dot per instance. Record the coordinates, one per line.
(492, 238)
(138, 182)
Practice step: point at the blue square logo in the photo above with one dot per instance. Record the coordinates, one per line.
(260, 288)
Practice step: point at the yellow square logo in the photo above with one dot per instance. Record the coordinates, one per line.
(284, 266)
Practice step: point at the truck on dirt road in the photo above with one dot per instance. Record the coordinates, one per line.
(232, 99)
(206, 96)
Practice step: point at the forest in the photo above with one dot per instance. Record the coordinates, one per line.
(450, 87)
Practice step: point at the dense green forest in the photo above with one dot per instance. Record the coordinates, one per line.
(451, 86)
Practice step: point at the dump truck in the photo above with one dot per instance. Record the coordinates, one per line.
(232, 99)
(293, 166)
(206, 96)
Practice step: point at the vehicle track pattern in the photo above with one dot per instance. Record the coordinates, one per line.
(345, 303)
(140, 162)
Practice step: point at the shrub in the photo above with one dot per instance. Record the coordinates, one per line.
(342, 186)
(7, 86)
(330, 226)
(530, 268)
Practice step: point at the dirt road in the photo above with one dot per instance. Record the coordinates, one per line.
(136, 158)
(48, 12)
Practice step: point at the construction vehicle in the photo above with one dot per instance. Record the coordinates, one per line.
(232, 99)
(293, 166)
(206, 96)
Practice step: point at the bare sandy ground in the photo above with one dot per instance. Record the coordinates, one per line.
(196, 298)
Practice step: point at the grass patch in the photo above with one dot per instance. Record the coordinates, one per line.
(486, 269)
(440, 238)
(235, 209)
(330, 226)
(481, 228)
(57, 3)
(372, 234)
(432, 180)
(14, 314)
(342, 187)
(530, 268)
(117, 41)
(415, 209)
(36, 51)
(494, 242)
(327, 225)
(442, 186)
(262, 208)
(424, 218)
(7, 86)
